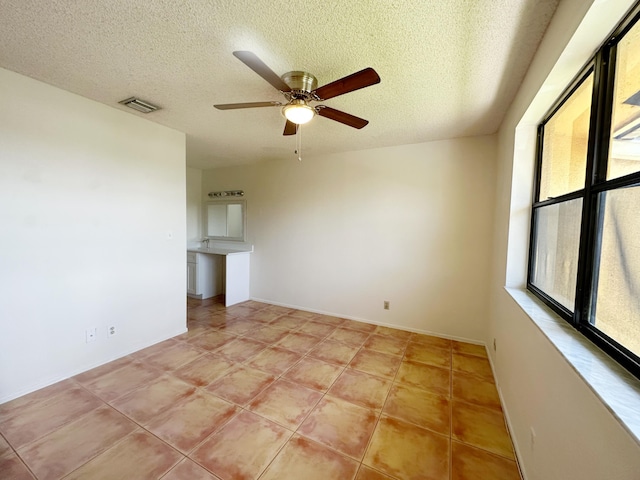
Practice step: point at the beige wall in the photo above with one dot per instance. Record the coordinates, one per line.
(342, 233)
(576, 437)
(194, 205)
(89, 196)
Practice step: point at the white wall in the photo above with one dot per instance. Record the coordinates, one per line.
(342, 233)
(88, 198)
(576, 436)
(194, 205)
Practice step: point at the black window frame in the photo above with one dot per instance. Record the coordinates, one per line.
(602, 65)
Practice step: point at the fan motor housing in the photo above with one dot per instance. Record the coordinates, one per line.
(298, 80)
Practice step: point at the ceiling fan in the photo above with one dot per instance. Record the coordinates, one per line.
(300, 89)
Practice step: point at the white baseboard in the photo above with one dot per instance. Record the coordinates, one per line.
(42, 383)
(371, 322)
(507, 419)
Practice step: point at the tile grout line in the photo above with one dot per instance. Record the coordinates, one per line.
(18, 456)
(70, 421)
(118, 442)
(284, 444)
(451, 414)
(324, 394)
(277, 377)
(144, 428)
(476, 405)
(216, 431)
(344, 368)
(245, 407)
(379, 416)
(281, 375)
(197, 388)
(362, 347)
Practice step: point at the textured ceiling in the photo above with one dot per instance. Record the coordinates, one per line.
(449, 68)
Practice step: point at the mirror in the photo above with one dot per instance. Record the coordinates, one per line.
(225, 220)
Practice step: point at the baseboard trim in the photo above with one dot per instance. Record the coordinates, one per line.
(63, 376)
(507, 419)
(371, 322)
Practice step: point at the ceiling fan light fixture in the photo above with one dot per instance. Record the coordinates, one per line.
(298, 112)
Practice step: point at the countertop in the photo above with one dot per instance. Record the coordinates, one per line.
(220, 250)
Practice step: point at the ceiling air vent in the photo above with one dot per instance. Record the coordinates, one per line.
(139, 105)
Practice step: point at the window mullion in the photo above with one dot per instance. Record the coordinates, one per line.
(597, 154)
(604, 103)
(583, 256)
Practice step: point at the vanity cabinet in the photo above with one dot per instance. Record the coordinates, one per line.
(192, 279)
(213, 271)
(204, 275)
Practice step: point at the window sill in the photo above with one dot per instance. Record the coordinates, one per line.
(612, 384)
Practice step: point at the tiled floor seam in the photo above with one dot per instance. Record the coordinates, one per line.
(77, 382)
(108, 402)
(328, 446)
(451, 414)
(203, 352)
(71, 420)
(431, 430)
(2, 437)
(284, 444)
(26, 465)
(487, 408)
(324, 394)
(220, 427)
(324, 445)
(343, 367)
(143, 427)
(138, 388)
(380, 471)
(479, 405)
(483, 449)
(115, 444)
(379, 415)
(495, 454)
(281, 376)
(14, 452)
(168, 472)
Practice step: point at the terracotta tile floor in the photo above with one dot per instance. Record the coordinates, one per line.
(260, 391)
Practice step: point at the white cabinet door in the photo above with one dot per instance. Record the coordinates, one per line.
(192, 278)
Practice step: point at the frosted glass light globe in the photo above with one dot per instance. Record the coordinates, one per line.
(298, 112)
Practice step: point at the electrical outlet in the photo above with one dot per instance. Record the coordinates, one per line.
(495, 347)
(386, 304)
(91, 334)
(111, 331)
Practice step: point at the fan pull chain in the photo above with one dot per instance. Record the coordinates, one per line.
(298, 150)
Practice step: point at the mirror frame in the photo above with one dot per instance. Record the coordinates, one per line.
(205, 223)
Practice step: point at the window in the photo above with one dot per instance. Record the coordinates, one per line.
(584, 259)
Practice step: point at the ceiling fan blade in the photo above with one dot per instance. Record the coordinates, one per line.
(233, 106)
(342, 117)
(290, 128)
(254, 63)
(355, 81)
